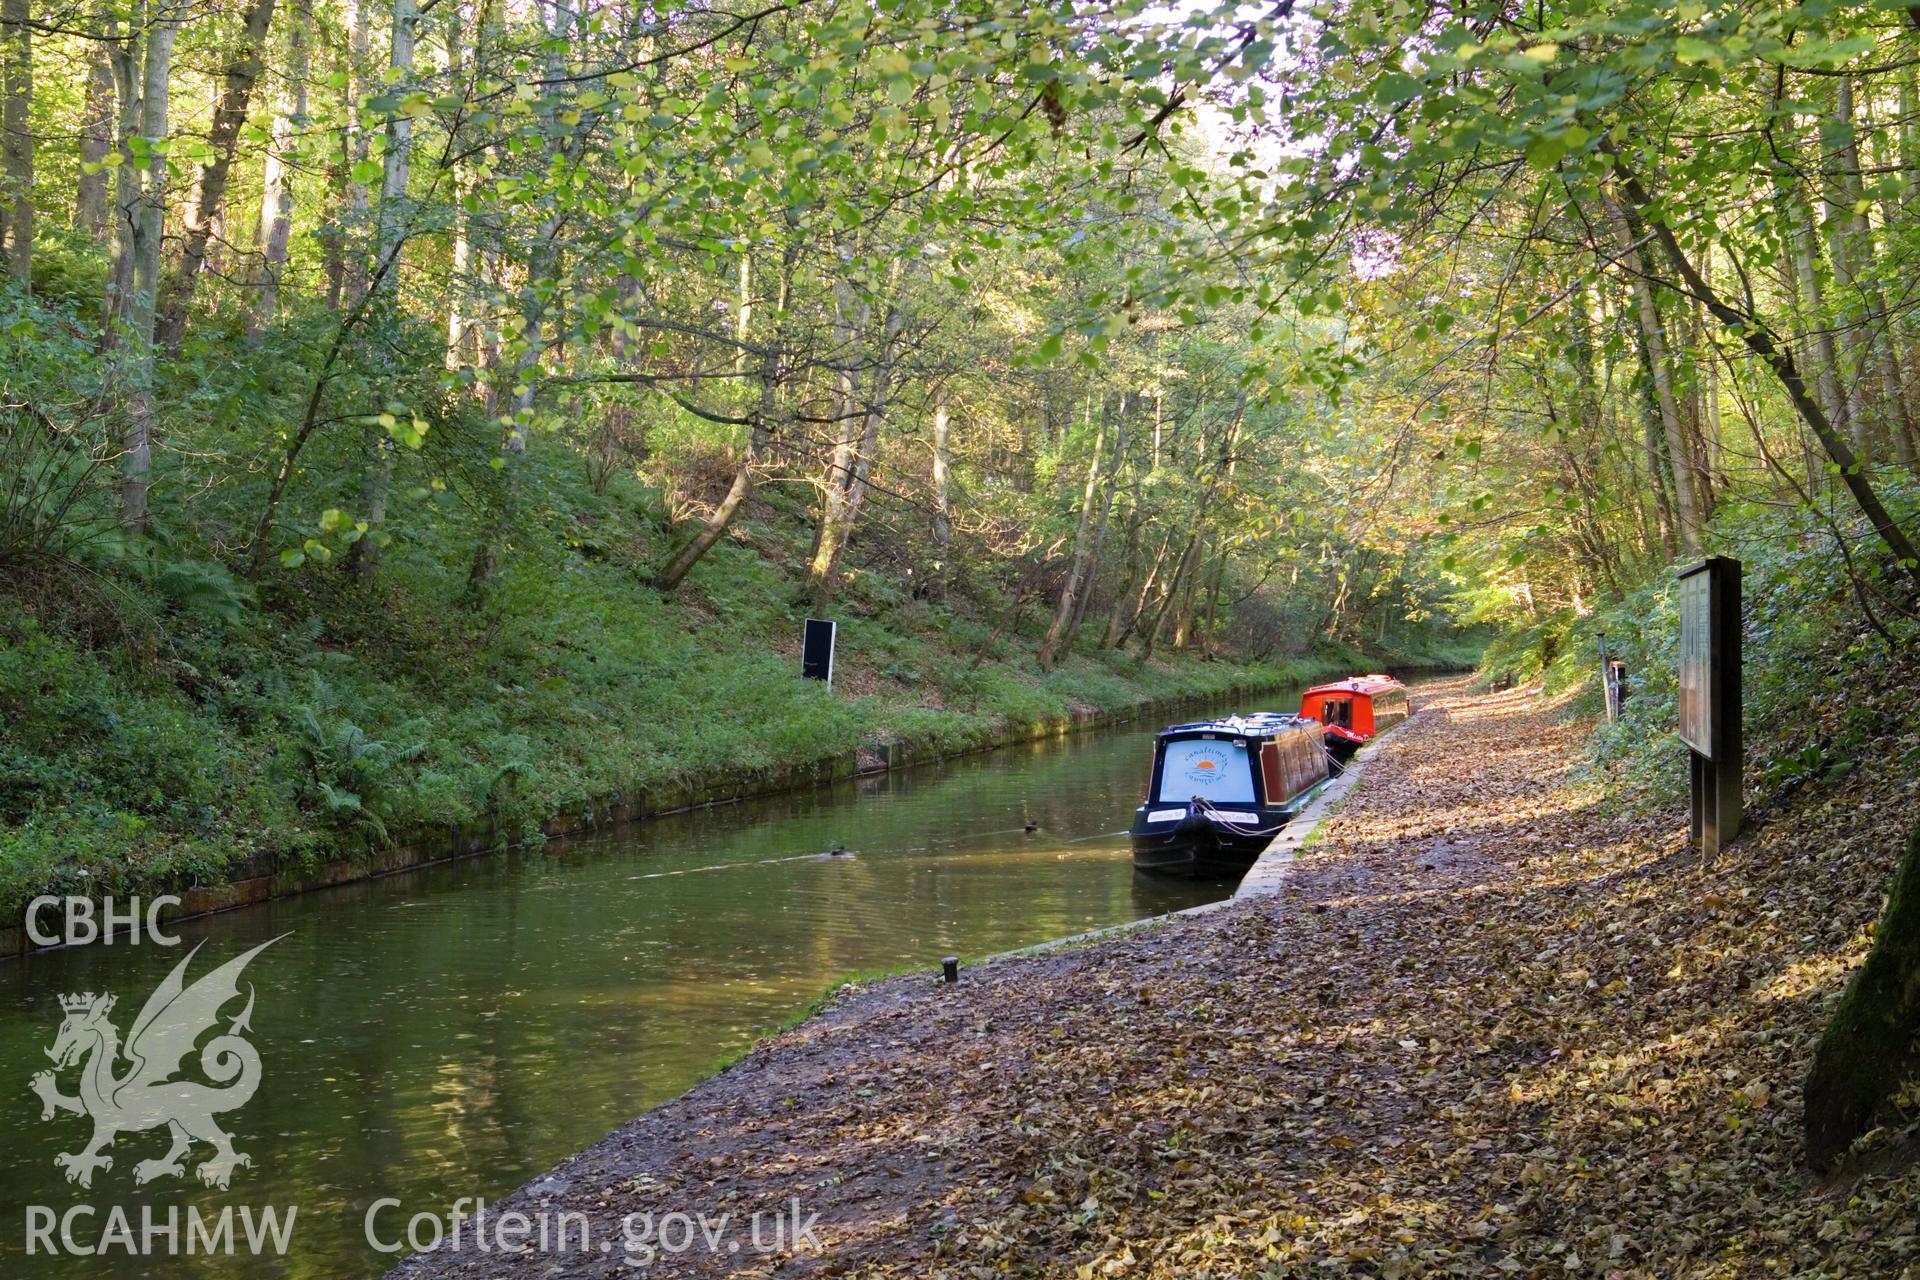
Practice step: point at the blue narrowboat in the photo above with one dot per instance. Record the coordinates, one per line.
(1221, 789)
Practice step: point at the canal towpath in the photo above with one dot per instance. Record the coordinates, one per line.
(1483, 1026)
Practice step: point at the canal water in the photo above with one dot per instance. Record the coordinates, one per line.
(454, 1031)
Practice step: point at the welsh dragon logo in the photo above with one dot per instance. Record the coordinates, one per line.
(146, 1095)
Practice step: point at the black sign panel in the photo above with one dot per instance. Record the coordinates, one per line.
(816, 658)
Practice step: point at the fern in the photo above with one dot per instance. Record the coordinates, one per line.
(205, 588)
(351, 772)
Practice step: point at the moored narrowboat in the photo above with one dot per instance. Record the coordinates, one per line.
(1355, 711)
(1221, 789)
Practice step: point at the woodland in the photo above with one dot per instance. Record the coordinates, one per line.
(411, 411)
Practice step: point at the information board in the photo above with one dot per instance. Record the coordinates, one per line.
(1709, 675)
(1696, 661)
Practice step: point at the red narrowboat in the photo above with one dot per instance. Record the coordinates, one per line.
(1355, 711)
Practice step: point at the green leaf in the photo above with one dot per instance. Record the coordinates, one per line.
(1695, 51)
(1545, 152)
(1396, 87)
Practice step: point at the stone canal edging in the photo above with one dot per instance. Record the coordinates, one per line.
(268, 876)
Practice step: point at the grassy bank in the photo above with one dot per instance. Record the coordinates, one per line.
(169, 722)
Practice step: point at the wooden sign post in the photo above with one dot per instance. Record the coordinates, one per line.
(1710, 698)
(816, 655)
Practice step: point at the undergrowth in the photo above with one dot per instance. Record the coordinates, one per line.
(162, 720)
(1825, 680)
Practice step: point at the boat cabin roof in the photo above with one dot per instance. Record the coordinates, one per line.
(1365, 686)
(1258, 724)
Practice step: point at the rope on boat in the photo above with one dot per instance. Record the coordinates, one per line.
(1203, 806)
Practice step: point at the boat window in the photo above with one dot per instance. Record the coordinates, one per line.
(1211, 770)
(1339, 711)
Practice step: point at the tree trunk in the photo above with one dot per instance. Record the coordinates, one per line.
(123, 54)
(1686, 501)
(1898, 341)
(146, 223)
(1209, 633)
(1129, 564)
(1640, 443)
(1890, 408)
(1100, 525)
(210, 179)
(1183, 617)
(941, 578)
(743, 313)
(151, 220)
(1653, 445)
(529, 348)
(1813, 325)
(333, 235)
(1119, 628)
(1188, 564)
(1588, 433)
(96, 140)
(16, 136)
(460, 338)
(1846, 244)
(846, 414)
(716, 524)
(1868, 1045)
(276, 197)
(1170, 601)
(1896, 210)
(391, 233)
(858, 439)
(1077, 568)
(354, 146)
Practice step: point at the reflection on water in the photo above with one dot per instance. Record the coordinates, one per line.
(452, 1032)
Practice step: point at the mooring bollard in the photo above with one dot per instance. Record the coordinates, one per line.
(950, 969)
